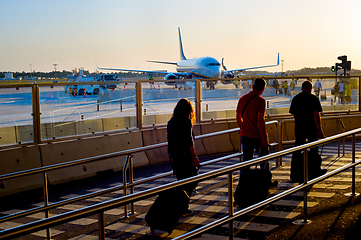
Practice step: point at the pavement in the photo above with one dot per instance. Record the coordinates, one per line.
(331, 214)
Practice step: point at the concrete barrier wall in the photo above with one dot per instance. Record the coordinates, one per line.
(110, 124)
(19, 159)
(199, 147)
(155, 136)
(7, 136)
(217, 144)
(82, 148)
(234, 137)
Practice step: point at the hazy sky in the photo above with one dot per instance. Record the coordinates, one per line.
(124, 34)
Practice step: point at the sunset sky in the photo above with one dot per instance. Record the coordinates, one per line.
(124, 34)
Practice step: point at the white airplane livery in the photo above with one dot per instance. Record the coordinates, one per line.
(203, 67)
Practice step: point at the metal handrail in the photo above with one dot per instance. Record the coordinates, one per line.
(46, 207)
(108, 155)
(128, 162)
(284, 121)
(107, 205)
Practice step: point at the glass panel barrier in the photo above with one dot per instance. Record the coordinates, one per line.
(83, 109)
(16, 122)
(219, 98)
(159, 99)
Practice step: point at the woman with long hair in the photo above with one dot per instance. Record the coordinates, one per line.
(181, 149)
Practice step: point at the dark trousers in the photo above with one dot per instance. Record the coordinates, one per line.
(249, 145)
(183, 168)
(303, 132)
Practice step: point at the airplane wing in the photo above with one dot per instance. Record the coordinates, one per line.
(180, 74)
(130, 70)
(241, 69)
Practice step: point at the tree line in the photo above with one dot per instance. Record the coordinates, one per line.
(65, 74)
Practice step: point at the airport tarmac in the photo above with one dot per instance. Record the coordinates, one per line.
(58, 106)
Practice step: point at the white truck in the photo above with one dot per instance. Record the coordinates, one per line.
(78, 77)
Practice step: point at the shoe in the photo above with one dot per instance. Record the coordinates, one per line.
(158, 233)
(187, 213)
(273, 184)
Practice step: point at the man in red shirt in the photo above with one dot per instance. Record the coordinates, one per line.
(251, 110)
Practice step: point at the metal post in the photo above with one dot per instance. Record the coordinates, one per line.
(121, 106)
(98, 105)
(359, 91)
(339, 141)
(101, 226)
(280, 136)
(139, 104)
(131, 180)
(305, 190)
(125, 168)
(353, 161)
(276, 141)
(45, 193)
(353, 193)
(230, 204)
(305, 179)
(36, 114)
(240, 146)
(198, 100)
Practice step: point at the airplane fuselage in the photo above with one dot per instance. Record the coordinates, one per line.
(208, 67)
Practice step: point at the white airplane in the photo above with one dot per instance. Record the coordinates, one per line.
(203, 67)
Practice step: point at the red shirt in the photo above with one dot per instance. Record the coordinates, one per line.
(257, 105)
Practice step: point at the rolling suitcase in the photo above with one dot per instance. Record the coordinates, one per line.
(253, 186)
(167, 209)
(314, 166)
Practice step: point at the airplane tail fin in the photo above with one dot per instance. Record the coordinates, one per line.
(182, 57)
(278, 59)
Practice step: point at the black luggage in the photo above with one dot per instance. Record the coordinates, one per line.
(167, 210)
(314, 166)
(280, 91)
(252, 187)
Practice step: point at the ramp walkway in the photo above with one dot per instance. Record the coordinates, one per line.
(331, 214)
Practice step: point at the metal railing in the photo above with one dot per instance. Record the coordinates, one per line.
(340, 125)
(128, 165)
(100, 208)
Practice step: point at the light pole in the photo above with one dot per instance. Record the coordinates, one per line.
(55, 69)
(282, 64)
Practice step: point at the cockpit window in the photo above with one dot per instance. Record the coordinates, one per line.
(213, 64)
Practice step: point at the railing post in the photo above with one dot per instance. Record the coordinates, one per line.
(139, 104)
(280, 136)
(36, 114)
(131, 180)
(101, 226)
(353, 193)
(305, 190)
(353, 161)
(125, 184)
(240, 145)
(276, 141)
(338, 131)
(359, 91)
(45, 193)
(230, 204)
(198, 100)
(305, 179)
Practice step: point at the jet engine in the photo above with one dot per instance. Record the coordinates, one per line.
(171, 77)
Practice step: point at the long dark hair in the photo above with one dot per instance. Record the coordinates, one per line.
(184, 108)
